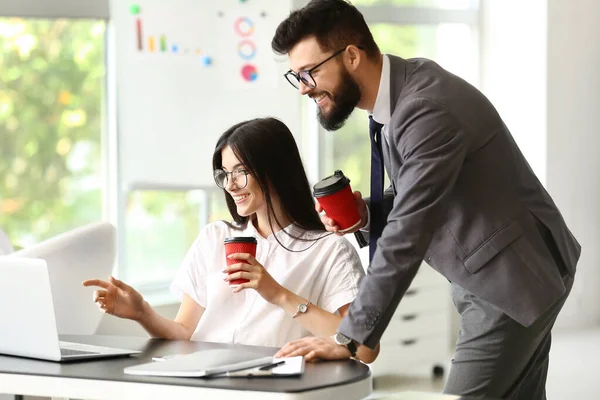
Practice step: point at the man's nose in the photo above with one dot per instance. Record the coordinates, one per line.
(303, 88)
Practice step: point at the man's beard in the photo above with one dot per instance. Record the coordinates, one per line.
(342, 104)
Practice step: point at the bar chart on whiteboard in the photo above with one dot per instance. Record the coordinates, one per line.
(233, 36)
(187, 70)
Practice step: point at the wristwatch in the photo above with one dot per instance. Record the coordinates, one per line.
(344, 340)
(302, 309)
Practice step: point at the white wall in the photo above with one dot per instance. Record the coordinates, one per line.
(573, 151)
(539, 67)
(513, 71)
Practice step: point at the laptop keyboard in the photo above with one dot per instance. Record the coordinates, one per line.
(71, 352)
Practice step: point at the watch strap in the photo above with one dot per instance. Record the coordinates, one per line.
(343, 340)
(352, 348)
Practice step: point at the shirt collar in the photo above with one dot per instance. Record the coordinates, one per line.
(382, 109)
(292, 229)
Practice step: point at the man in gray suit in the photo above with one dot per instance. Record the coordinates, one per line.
(462, 197)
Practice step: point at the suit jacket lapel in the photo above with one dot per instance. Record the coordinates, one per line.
(385, 149)
(398, 67)
(397, 80)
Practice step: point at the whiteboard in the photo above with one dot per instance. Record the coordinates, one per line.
(186, 70)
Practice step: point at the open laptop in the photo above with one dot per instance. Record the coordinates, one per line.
(28, 319)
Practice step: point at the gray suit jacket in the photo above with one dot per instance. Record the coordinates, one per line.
(464, 199)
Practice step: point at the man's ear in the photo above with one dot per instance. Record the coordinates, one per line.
(352, 57)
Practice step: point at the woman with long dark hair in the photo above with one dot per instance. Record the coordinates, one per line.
(302, 279)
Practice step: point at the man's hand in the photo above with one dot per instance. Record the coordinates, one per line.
(332, 226)
(314, 348)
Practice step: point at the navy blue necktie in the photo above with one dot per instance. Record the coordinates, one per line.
(377, 221)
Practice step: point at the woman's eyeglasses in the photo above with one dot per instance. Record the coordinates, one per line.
(239, 178)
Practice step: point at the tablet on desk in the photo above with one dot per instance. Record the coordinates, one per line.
(201, 364)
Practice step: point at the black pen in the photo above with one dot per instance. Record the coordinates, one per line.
(271, 366)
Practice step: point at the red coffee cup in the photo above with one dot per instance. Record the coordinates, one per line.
(335, 195)
(239, 244)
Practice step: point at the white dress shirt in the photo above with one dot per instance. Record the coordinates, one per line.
(327, 274)
(382, 112)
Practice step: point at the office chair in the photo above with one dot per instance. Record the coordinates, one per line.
(72, 257)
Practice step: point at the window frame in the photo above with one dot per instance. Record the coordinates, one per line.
(56, 9)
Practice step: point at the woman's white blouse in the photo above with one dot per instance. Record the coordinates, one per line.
(327, 274)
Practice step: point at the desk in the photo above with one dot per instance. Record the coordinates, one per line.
(104, 379)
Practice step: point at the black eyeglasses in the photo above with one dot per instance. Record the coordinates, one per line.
(239, 178)
(305, 76)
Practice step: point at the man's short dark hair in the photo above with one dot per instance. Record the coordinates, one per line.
(335, 24)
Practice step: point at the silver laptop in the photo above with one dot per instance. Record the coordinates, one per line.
(27, 315)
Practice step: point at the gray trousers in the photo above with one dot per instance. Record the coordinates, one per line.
(496, 356)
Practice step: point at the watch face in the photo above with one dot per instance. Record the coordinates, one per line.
(302, 308)
(342, 339)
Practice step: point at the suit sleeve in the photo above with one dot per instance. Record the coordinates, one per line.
(432, 146)
(362, 235)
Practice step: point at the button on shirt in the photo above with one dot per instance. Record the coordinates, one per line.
(327, 275)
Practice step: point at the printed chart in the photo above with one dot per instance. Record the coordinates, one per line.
(236, 40)
(186, 70)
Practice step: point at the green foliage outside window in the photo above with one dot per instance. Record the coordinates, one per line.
(52, 78)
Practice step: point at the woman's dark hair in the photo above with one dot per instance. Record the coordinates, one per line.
(335, 24)
(268, 151)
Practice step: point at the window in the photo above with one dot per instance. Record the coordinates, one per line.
(160, 227)
(452, 45)
(52, 81)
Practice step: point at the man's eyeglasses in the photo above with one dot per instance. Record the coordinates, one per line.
(305, 76)
(239, 178)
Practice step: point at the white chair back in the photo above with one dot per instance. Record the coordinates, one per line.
(72, 257)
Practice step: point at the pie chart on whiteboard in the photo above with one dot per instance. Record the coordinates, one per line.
(249, 73)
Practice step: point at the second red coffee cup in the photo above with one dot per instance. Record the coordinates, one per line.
(335, 195)
(239, 244)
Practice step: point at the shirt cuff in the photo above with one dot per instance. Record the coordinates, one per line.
(367, 226)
